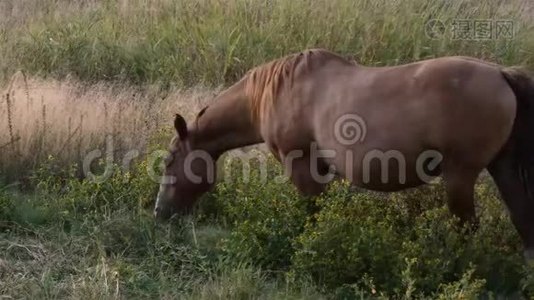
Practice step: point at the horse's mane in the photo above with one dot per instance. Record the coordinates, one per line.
(263, 83)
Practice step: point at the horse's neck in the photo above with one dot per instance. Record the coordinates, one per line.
(226, 124)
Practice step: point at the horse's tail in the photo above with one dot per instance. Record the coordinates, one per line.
(513, 168)
(522, 137)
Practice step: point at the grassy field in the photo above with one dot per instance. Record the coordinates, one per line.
(250, 240)
(214, 42)
(78, 77)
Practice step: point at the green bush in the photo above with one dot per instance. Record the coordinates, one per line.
(371, 244)
(362, 238)
(265, 216)
(465, 288)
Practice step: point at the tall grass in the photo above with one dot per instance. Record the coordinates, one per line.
(69, 119)
(168, 44)
(214, 41)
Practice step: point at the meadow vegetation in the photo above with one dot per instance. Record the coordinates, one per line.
(68, 119)
(77, 76)
(214, 41)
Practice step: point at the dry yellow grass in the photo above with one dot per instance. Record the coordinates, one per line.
(67, 119)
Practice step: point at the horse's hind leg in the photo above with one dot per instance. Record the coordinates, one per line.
(506, 173)
(460, 185)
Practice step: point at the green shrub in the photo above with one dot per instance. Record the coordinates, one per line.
(362, 238)
(266, 216)
(465, 288)
(353, 235)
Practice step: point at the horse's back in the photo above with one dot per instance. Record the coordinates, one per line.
(461, 107)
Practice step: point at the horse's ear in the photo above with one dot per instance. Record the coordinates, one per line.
(181, 126)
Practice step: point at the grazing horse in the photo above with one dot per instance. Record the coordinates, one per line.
(381, 128)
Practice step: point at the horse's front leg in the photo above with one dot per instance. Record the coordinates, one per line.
(309, 176)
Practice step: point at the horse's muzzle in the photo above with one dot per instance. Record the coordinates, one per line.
(163, 212)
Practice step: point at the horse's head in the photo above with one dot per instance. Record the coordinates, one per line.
(188, 174)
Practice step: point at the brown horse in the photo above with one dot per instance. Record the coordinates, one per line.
(382, 128)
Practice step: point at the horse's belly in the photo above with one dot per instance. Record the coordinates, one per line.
(389, 186)
(390, 171)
